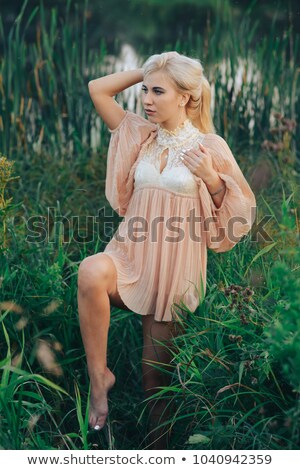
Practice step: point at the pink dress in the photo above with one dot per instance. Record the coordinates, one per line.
(170, 219)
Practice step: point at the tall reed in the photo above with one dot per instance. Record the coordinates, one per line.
(232, 387)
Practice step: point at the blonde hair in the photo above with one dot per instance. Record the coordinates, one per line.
(187, 75)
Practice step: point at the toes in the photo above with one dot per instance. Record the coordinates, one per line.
(100, 425)
(92, 422)
(98, 422)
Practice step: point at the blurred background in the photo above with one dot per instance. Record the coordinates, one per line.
(159, 23)
(240, 355)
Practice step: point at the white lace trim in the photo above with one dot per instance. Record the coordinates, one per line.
(187, 136)
(178, 136)
(162, 130)
(182, 180)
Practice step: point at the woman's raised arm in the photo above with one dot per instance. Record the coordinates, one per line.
(102, 91)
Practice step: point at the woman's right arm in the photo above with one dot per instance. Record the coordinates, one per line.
(102, 91)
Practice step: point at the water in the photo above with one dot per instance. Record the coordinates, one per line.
(129, 60)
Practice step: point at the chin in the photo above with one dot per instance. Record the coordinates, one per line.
(151, 118)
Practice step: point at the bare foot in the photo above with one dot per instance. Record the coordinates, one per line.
(100, 385)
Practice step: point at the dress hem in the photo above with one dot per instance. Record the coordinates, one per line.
(121, 294)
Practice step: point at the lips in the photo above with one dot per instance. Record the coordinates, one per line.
(149, 111)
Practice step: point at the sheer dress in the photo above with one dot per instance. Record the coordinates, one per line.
(170, 219)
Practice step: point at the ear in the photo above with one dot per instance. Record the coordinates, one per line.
(185, 97)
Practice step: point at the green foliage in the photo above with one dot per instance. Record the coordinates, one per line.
(284, 333)
(44, 93)
(235, 382)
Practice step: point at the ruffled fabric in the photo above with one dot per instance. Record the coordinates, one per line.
(156, 275)
(226, 225)
(161, 263)
(124, 148)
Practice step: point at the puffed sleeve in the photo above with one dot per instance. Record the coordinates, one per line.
(123, 150)
(226, 225)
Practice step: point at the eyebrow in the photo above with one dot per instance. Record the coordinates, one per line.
(155, 87)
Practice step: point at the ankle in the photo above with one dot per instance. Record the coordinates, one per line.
(98, 373)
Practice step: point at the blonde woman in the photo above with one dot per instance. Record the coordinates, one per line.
(180, 191)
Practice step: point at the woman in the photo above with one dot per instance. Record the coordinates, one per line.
(171, 167)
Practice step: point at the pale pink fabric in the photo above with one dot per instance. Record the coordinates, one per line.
(155, 274)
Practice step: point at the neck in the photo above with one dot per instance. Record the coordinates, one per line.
(173, 123)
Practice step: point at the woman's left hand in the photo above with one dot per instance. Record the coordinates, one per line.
(199, 161)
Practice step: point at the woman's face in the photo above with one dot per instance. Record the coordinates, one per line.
(161, 101)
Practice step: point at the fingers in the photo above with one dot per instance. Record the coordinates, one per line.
(202, 148)
(186, 157)
(191, 155)
(190, 162)
(198, 151)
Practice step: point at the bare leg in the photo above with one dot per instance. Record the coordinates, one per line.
(96, 289)
(160, 410)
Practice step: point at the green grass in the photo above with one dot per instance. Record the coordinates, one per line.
(236, 371)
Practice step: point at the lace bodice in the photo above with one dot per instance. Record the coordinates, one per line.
(175, 176)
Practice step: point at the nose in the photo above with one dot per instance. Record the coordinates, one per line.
(147, 99)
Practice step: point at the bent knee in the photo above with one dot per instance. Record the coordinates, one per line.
(96, 271)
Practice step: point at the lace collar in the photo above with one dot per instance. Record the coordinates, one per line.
(175, 138)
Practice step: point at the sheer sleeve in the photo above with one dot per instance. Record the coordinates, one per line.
(226, 225)
(123, 150)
